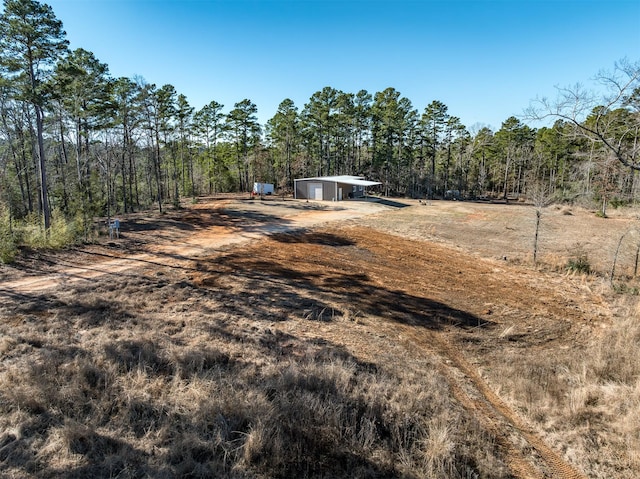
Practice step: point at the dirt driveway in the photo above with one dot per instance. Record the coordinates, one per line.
(178, 236)
(502, 232)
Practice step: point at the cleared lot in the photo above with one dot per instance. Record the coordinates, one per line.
(351, 345)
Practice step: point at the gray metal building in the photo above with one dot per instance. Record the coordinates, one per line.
(332, 188)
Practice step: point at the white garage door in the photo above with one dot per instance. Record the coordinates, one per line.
(315, 191)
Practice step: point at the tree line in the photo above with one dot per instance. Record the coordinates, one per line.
(78, 143)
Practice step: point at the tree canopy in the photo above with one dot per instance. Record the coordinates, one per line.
(76, 142)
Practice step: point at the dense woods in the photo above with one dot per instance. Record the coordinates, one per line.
(76, 143)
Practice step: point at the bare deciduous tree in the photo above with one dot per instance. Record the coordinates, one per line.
(611, 119)
(541, 198)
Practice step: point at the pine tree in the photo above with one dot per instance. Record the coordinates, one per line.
(31, 42)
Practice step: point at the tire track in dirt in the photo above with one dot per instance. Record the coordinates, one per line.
(557, 466)
(71, 274)
(494, 413)
(526, 454)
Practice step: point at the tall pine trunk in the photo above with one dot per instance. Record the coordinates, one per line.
(44, 194)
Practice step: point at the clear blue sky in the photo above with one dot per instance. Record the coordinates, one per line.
(484, 59)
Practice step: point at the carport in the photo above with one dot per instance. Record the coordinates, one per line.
(334, 188)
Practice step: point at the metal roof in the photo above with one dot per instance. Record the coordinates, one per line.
(345, 179)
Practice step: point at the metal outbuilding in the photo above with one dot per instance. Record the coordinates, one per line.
(335, 188)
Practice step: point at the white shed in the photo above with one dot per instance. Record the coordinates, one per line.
(263, 188)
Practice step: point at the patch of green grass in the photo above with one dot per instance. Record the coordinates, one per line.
(579, 264)
(623, 288)
(8, 246)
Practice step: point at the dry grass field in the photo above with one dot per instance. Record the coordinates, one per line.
(285, 339)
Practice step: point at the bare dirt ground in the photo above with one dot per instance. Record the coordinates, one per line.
(175, 237)
(450, 280)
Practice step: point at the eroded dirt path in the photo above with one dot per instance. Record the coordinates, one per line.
(508, 427)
